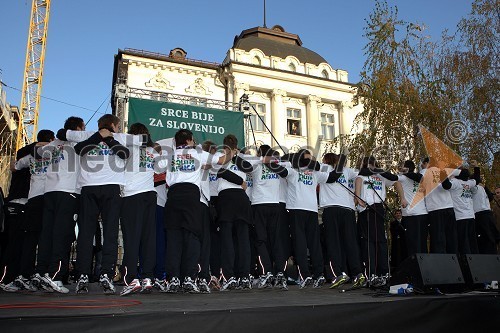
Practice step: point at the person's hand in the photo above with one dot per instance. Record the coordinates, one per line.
(104, 132)
(244, 185)
(404, 203)
(403, 170)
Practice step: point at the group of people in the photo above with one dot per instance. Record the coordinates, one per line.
(198, 218)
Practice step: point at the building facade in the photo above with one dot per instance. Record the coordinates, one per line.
(296, 98)
(9, 116)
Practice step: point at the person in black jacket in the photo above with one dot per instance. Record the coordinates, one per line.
(398, 240)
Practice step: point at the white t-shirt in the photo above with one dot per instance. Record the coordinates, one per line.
(205, 187)
(214, 183)
(62, 174)
(284, 183)
(480, 199)
(266, 185)
(161, 195)
(461, 194)
(334, 194)
(224, 184)
(38, 171)
(410, 190)
(101, 166)
(373, 189)
(302, 185)
(139, 171)
(438, 197)
(184, 165)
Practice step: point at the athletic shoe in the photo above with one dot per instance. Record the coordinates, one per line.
(106, 284)
(82, 285)
(245, 283)
(280, 281)
(203, 286)
(306, 282)
(24, 284)
(265, 281)
(9, 287)
(55, 285)
(214, 283)
(161, 285)
(190, 286)
(319, 282)
(132, 287)
(340, 280)
(359, 281)
(378, 281)
(41, 283)
(146, 286)
(173, 286)
(230, 284)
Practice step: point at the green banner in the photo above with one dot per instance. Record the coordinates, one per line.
(164, 119)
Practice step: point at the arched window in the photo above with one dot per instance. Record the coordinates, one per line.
(324, 74)
(291, 67)
(256, 61)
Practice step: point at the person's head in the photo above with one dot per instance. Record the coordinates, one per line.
(331, 159)
(368, 162)
(497, 192)
(74, 124)
(184, 137)
(464, 174)
(209, 146)
(409, 165)
(263, 150)
(398, 214)
(230, 141)
(138, 128)
(425, 163)
(45, 136)
(109, 122)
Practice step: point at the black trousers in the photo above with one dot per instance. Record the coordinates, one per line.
(138, 222)
(487, 233)
(161, 243)
(266, 219)
(32, 226)
(373, 240)
(183, 253)
(341, 241)
(416, 233)
(443, 231)
(205, 243)
(305, 235)
(466, 234)
(215, 242)
(106, 201)
(14, 217)
(242, 240)
(60, 213)
(284, 238)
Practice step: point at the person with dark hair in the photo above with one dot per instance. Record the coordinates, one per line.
(14, 208)
(183, 221)
(31, 224)
(137, 217)
(339, 221)
(370, 192)
(61, 202)
(439, 205)
(102, 173)
(414, 212)
(303, 177)
(460, 189)
(398, 239)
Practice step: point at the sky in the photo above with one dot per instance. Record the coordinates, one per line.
(84, 36)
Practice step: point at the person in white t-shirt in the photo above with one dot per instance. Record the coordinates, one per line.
(61, 207)
(370, 192)
(487, 233)
(102, 172)
(460, 189)
(415, 219)
(137, 216)
(32, 221)
(339, 221)
(183, 218)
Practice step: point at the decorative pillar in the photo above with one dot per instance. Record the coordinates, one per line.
(278, 117)
(238, 90)
(313, 124)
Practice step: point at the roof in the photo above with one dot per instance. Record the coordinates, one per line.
(276, 42)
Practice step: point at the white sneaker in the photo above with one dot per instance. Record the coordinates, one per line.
(146, 286)
(9, 287)
(55, 285)
(132, 287)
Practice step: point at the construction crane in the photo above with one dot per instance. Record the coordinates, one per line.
(33, 73)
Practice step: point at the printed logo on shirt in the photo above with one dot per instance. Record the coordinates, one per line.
(58, 154)
(342, 179)
(249, 180)
(39, 166)
(376, 184)
(146, 160)
(350, 183)
(102, 149)
(466, 192)
(306, 177)
(183, 162)
(212, 177)
(268, 174)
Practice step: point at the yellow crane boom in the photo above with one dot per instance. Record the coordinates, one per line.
(33, 73)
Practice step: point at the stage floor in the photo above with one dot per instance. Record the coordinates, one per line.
(265, 310)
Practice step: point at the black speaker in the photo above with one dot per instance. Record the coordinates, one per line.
(426, 271)
(479, 269)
